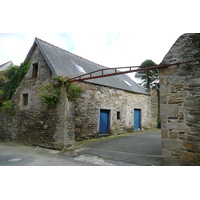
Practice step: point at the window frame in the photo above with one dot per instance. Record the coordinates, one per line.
(25, 99)
(35, 69)
(118, 115)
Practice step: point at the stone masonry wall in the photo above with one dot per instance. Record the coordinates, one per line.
(180, 103)
(87, 111)
(69, 121)
(35, 123)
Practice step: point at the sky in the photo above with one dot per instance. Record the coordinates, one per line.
(108, 49)
(111, 33)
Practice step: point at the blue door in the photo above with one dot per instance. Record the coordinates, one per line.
(137, 119)
(104, 121)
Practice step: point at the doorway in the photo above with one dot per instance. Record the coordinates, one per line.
(137, 119)
(104, 121)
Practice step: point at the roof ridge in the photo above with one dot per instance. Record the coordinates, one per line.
(72, 53)
(6, 63)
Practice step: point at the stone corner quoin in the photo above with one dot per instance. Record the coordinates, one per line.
(180, 103)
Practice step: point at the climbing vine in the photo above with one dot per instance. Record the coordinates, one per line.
(9, 81)
(50, 92)
(74, 90)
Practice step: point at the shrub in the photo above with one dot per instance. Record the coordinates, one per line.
(7, 105)
(74, 90)
(49, 94)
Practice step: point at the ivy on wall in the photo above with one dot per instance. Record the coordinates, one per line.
(49, 92)
(9, 81)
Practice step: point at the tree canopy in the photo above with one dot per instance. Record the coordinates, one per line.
(147, 76)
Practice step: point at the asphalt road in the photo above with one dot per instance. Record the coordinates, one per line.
(140, 149)
(14, 154)
(137, 149)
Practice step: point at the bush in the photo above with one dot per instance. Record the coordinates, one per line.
(49, 94)
(74, 90)
(11, 78)
(7, 105)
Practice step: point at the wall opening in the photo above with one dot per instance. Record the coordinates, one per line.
(118, 115)
(104, 124)
(35, 70)
(25, 99)
(137, 119)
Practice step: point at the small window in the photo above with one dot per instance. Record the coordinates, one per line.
(80, 69)
(50, 73)
(35, 70)
(25, 99)
(118, 115)
(127, 83)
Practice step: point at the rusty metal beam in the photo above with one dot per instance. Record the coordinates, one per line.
(117, 72)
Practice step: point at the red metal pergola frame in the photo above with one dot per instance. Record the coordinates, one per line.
(92, 75)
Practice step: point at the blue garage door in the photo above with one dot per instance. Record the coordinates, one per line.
(104, 121)
(137, 119)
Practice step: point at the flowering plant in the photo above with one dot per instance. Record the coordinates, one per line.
(49, 94)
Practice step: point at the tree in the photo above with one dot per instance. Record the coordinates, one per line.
(147, 76)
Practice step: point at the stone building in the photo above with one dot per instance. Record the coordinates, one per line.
(110, 105)
(6, 65)
(180, 102)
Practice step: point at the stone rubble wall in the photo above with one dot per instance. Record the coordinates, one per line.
(180, 103)
(36, 123)
(87, 111)
(59, 127)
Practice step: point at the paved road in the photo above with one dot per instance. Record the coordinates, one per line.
(13, 154)
(137, 149)
(140, 148)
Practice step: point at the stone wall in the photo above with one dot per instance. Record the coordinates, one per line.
(35, 123)
(154, 103)
(87, 111)
(59, 127)
(180, 103)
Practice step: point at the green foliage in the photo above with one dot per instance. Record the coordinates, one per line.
(7, 105)
(147, 76)
(11, 78)
(74, 90)
(49, 94)
(1, 97)
(1, 94)
(60, 79)
(3, 78)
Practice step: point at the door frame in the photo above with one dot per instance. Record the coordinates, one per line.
(110, 119)
(140, 120)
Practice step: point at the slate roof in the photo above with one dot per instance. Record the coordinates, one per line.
(6, 65)
(63, 63)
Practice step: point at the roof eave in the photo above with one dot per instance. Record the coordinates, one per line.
(126, 90)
